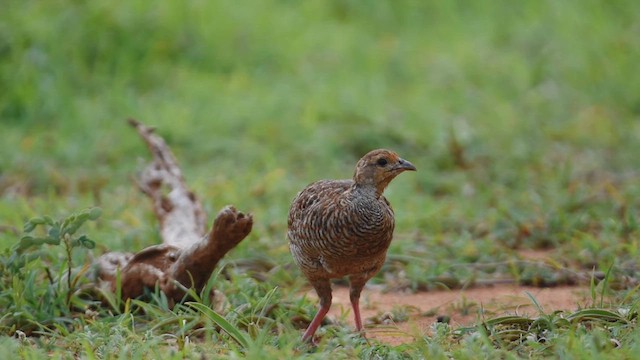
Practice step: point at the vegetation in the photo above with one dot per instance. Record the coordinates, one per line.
(521, 117)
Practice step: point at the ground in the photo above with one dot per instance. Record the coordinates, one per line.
(396, 317)
(462, 307)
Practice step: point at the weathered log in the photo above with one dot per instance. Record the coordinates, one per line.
(188, 255)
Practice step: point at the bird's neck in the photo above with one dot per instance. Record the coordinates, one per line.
(366, 190)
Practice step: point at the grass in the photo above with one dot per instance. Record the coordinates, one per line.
(522, 119)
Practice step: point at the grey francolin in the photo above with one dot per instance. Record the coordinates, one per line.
(341, 228)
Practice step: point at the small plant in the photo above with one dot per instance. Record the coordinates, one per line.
(540, 334)
(33, 280)
(60, 232)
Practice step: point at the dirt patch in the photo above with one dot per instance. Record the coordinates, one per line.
(535, 254)
(397, 317)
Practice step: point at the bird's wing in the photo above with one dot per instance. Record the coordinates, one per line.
(314, 208)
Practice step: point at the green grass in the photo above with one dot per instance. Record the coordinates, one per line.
(521, 117)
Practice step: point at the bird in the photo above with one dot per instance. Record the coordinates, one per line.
(343, 228)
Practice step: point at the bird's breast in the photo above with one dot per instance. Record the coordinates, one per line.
(334, 231)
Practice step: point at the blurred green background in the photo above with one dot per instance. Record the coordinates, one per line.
(521, 117)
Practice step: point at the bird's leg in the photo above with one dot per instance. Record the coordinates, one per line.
(356, 284)
(323, 289)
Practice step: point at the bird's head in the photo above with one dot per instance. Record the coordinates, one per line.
(378, 167)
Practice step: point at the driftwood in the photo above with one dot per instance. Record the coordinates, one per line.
(188, 254)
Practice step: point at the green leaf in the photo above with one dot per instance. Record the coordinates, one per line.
(38, 220)
(54, 232)
(28, 227)
(49, 240)
(25, 242)
(69, 220)
(28, 241)
(233, 331)
(94, 213)
(82, 217)
(85, 242)
(71, 228)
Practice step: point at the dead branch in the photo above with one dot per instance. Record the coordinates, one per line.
(188, 255)
(182, 218)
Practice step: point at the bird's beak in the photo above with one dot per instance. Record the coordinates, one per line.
(405, 165)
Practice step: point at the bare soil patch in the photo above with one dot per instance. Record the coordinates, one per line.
(398, 317)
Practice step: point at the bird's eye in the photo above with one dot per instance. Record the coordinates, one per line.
(382, 162)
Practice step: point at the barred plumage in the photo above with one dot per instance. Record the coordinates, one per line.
(343, 228)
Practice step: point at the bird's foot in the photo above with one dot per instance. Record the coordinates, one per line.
(363, 334)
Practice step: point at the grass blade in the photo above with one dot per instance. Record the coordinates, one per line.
(535, 302)
(605, 283)
(233, 331)
(596, 315)
(592, 286)
(509, 320)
